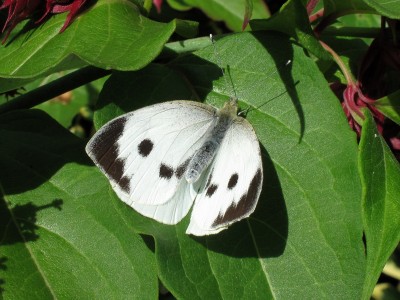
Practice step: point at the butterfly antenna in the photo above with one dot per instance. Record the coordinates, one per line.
(219, 62)
(244, 112)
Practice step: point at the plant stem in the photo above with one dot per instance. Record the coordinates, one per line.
(347, 74)
(319, 14)
(54, 88)
(361, 32)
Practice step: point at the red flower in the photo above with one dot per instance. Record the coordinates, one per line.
(60, 6)
(19, 10)
(378, 70)
(353, 101)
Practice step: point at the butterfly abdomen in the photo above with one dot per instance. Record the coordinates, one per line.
(205, 154)
(201, 159)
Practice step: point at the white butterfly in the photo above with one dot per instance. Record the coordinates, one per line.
(162, 158)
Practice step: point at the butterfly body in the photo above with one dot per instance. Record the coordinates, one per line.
(214, 136)
(166, 158)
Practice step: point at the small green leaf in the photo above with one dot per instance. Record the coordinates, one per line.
(390, 106)
(187, 29)
(380, 176)
(62, 235)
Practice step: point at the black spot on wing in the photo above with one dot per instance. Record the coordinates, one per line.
(233, 181)
(166, 172)
(211, 190)
(245, 204)
(145, 147)
(182, 169)
(124, 184)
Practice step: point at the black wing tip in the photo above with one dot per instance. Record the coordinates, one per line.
(245, 206)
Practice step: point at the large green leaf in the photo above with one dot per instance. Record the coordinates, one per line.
(126, 41)
(62, 236)
(380, 174)
(231, 12)
(305, 238)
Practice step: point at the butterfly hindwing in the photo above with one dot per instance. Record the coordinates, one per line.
(145, 153)
(229, 191)
(173, 210)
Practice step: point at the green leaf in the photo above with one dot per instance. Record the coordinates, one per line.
(62, 235)
(380, 176)
(340, 7)
(110, 35)
(292, 19)
(390, 106)
(187, 29)
(389, 9)
(231, 12)
(304, 239)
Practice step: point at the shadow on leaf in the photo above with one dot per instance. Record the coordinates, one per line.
(127, 91)
(19, 222)
(281, 55)
(33, 147)
(18, 225)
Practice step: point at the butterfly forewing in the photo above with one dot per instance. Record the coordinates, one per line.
(230, 189)
(144, 153)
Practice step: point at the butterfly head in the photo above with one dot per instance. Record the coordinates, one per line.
(230, 107)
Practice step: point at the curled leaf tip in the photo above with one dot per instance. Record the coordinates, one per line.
(248, 10)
